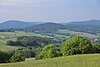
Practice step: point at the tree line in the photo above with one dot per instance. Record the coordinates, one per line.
(32, 41)
(72, 46)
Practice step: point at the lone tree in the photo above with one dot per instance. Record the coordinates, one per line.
(76, 45)
(49, 51)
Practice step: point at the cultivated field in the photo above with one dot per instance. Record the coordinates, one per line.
(5, 36)
(90, 60)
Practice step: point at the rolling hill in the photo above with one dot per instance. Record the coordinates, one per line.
(16, 24)
(45, 28)
(92, 26)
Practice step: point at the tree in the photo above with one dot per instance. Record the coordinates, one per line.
(76, 45)
(49, 51)
(4, 57)
(96, 48)
(17, 57)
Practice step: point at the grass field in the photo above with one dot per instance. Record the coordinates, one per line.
(64, 31)
(5, 36)
(19, 33)
(4, 47)
(90, 60)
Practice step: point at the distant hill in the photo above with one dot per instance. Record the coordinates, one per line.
(16, 24)
(45, 28)
(92, 26)
(90, 22)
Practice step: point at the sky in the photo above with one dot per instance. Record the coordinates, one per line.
(49, 10)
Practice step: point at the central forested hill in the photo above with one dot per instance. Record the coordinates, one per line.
(45, 28)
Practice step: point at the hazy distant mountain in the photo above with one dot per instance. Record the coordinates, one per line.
(46, 27)
(16, 24)
(90, 22)
(92, 26)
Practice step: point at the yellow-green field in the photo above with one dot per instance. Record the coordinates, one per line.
(5, 36)
(64, 31)
(90, 60)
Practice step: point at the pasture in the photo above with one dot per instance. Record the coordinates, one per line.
(88, 60)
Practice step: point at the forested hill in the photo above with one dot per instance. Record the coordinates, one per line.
(92, 26)
(46, 27)
(16, 24)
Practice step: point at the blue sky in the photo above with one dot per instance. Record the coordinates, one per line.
(49, 10)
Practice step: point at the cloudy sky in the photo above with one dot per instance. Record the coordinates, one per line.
(49, 10)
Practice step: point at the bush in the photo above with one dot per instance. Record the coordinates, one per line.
(4, 57)
(17, 57)
(96, 48)
(49, 51)
(76, 45)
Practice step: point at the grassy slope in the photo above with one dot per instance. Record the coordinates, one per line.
(90, 60)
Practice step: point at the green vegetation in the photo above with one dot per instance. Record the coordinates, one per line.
(4, 47)
(50, 40)
(17, 57)
(74, 33)
(4, 57)
(72, 46)
(45, 28)
(49, 51)
(12, 36)
(92, 26)
(7, 57)
(89, 60)
(76, 45)
(32, 41)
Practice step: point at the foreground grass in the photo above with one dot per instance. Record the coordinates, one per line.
(90, 60)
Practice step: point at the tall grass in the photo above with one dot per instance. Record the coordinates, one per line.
(90, 60)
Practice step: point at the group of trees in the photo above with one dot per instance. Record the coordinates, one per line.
(6, 57)
(17, 55)
(32, 41)
(9, 30)
(72, 46)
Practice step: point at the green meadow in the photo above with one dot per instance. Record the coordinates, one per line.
(88, 60)
(5, 36)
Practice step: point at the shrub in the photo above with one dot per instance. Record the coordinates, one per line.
(49, 51)
(76, 45)
(4, 57)
(17, 57)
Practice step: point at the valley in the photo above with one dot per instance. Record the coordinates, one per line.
(26, 43)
